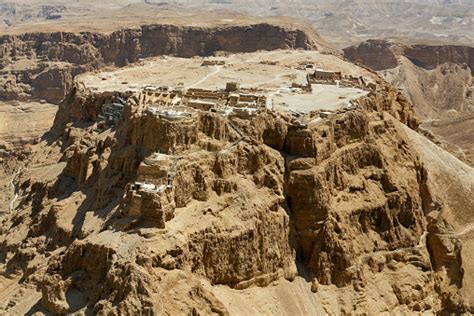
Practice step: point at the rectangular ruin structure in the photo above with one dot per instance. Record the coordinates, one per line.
(322, 76)
(232, 86)
(202, 105)
(152, 204)
(213, 63)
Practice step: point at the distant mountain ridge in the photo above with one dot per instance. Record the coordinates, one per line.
(345, 22)
(354, 21)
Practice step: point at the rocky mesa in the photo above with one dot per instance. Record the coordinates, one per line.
(155, 215)
(43, 65)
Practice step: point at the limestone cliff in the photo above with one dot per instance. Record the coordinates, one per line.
(382, 54)
(436, 79)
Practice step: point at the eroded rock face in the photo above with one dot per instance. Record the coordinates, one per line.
(376, 54)
(430, 57)
(436, 79)
(225, 201)
(355, 193)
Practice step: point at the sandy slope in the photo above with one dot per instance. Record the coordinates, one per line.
(452, 182)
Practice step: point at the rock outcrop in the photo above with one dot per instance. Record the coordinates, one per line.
(436, 79)
(149, 217)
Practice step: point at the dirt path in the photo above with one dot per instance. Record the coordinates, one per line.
(269, 104)
(215, 72)
(421, 244)
(465, 231)
(15, 197)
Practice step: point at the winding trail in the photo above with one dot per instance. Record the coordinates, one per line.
(12, 202)
(236, 129)
(360, 260)
(466, 230)
(215, 72)
(422, 244)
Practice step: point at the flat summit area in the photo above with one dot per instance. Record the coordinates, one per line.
(270, 73)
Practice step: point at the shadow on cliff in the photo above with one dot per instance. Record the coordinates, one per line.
(36, 309)
(89, 206)
(293, 239)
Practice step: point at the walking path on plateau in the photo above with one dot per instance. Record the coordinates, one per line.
(215, 72)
